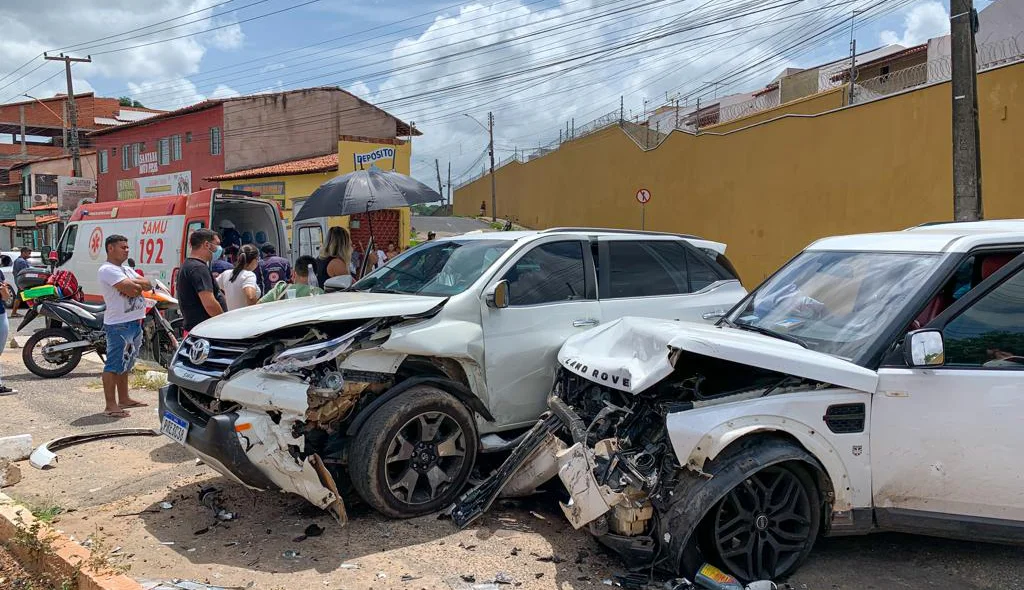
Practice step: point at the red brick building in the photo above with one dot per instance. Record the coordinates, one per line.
(175, 152)
(38, 127)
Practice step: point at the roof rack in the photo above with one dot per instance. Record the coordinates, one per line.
(605, 230)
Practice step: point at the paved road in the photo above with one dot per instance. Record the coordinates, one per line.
(447, 225)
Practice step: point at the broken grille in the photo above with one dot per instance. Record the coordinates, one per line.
(222, 355)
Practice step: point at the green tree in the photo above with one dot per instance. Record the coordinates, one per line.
(126, 101)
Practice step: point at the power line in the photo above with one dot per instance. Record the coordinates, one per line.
(259, 16)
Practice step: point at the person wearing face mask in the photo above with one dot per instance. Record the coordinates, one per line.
(198, 294)
(220, 262)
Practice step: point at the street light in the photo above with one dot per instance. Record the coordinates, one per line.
(490, 147)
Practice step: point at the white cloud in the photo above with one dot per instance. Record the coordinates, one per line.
(33, 27)
(922, 22)
(224, 91)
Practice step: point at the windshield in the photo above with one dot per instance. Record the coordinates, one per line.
(834, 302)
(435, 268)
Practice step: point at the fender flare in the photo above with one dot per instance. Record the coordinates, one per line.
(694, 495)
(723, 436)
(458, 390)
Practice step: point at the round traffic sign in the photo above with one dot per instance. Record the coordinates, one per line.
(643, 195)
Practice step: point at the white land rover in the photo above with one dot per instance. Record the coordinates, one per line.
(394, 386)
(875, 382)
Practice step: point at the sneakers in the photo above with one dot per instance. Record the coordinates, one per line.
(4, 390)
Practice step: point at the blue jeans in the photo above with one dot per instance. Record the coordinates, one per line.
(123, 344)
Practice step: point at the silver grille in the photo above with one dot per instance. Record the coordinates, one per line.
(222, 354)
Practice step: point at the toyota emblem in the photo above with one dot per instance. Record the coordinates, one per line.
(199, 352)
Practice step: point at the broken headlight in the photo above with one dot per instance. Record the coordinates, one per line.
(310, 355)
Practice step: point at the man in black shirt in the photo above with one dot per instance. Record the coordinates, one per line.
(197, 293)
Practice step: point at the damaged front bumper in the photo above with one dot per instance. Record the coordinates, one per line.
(247, 447)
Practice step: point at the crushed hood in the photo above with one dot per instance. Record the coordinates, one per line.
(255, 320)
(632, 354)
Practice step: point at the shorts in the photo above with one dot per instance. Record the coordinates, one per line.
(123, 344)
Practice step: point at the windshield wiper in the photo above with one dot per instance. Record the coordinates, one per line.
(771, 333)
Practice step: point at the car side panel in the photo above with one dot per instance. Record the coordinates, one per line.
(701, 434)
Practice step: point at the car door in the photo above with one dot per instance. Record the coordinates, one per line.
(552, 295)
(946, 440)
(666, 279)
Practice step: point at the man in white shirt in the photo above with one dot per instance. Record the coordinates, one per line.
(122, 321)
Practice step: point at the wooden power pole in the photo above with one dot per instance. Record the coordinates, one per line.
(494, 199)
(440, 189)
(967, 204)
(76, 162)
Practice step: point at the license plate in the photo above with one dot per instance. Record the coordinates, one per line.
(174, 427)
(189, 375)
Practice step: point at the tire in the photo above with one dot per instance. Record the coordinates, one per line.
(63, 364)
(764, 527)
(394, 450)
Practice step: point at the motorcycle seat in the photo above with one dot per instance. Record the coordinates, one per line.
(96, 308)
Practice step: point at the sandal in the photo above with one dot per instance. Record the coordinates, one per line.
(117, 414)
(133, 404)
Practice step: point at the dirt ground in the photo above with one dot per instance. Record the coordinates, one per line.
(112, 491)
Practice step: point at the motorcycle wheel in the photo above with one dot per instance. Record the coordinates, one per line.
(57, 365)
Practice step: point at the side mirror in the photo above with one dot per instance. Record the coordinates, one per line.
(924, 348)
(712, 316)
(497, 298)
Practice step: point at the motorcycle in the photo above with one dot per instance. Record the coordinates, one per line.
(74, 328)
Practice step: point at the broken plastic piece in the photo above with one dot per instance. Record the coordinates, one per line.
(762, 585)
(712, 578)
(44, 455)
(350, 566)
(166, 505)
(290, 554)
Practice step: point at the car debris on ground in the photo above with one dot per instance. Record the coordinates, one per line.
(45, 455)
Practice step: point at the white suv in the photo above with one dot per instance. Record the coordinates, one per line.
(875, 382)
(377, 386)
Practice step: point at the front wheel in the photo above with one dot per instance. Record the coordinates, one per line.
(414, 454)
(52, 365)
(765, 526)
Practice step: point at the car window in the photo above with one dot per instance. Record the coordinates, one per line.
(646, 269)
(67, 246)
(989, 333)
(548, 274)
(700, 273)
(311, 239)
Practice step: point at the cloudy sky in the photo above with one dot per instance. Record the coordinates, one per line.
(537, 64)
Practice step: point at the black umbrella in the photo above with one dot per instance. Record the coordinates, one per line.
(363, 191)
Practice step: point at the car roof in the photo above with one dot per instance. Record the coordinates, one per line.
(936, 238)
(604, 233)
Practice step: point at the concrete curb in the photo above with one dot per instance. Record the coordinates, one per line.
(67, 558)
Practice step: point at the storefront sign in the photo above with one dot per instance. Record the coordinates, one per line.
(163, 185)
(384, 153)
(273, 190)
(72, 192)
(8, 209)
(147, 163)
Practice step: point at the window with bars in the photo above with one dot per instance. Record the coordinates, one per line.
(102, 163)
(126, 156)
(215, 143)
(164, 149)
(136, 151)
(175, 147)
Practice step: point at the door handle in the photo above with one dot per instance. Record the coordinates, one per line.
(585, 323)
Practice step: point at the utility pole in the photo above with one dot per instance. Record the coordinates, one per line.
(76, 163)
(622, 108)
(967, 204)
(440, 190)
(494, 198)
(449, 203)
(853, 57)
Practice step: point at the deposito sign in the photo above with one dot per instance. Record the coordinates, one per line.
(382, 153)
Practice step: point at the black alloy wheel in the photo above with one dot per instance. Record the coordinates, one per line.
(765, 527)
(415, 453)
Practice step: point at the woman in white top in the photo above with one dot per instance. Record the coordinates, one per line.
(239, 284)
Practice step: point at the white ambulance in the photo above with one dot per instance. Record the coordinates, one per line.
(158, 228)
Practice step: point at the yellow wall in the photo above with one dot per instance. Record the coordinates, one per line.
(770, 189)
(299, 186)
